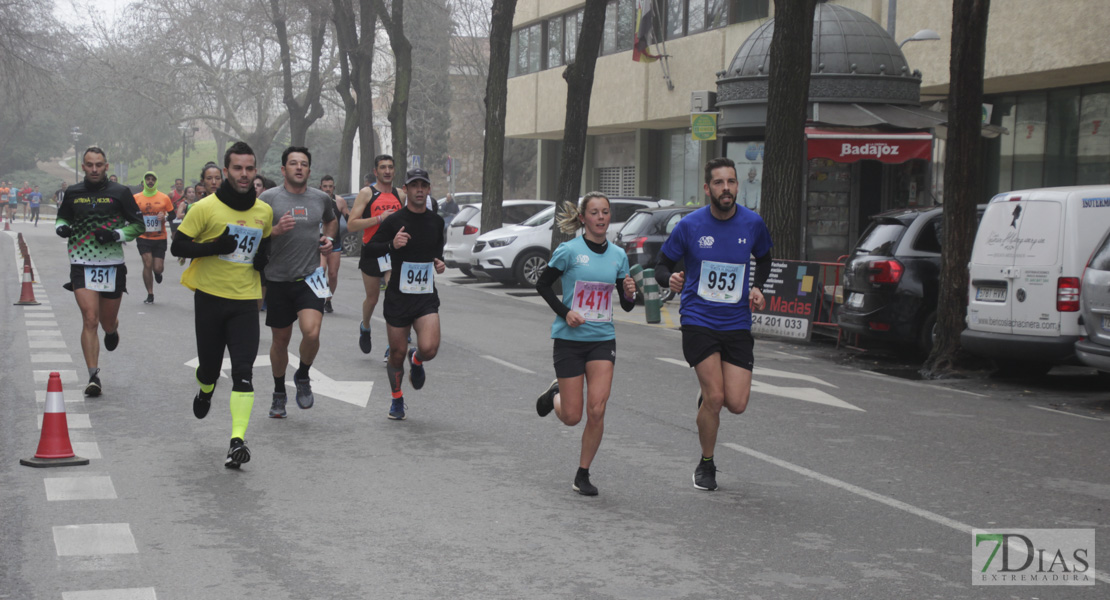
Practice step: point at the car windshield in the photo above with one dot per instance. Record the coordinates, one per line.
(541, 217)
(880, 239)
(637, 225)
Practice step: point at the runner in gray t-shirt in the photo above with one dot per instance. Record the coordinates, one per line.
(296, 284)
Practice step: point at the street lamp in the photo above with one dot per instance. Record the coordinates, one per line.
(76, 133)
(921, 36)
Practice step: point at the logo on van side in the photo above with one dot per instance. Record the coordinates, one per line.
(1011, 241)
(1096, 202)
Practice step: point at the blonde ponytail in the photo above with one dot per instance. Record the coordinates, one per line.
(568, 222)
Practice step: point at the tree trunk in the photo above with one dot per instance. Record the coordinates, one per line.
(346, 39)
(963, 181)
(302, 113)
(363, 75)
(580, 82)
(497, 92)
(402, 80)
(787, 96)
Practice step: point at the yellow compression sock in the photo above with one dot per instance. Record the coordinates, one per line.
(241, 404)
(206, 388)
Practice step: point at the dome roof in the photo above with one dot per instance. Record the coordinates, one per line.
(854, 59)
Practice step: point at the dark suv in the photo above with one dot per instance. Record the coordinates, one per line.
(892, 278)
(643, 235)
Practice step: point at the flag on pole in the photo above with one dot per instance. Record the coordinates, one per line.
(645, 32)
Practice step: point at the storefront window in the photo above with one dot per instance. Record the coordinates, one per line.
(1029, 137)
(1062, 138)
(1093, 155)
(681, 179)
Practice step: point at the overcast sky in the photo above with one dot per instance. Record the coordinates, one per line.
(68, 10)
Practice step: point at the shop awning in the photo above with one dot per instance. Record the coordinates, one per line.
(851, 145)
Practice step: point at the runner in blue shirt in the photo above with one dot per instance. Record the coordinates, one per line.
(716, 243)
(591, 270)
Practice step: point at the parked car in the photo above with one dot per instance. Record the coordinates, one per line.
(351, 240)
(643, 235)
(1093, 347)
(891, 279)
(1025, 271)
(518, 255)
(463, 230)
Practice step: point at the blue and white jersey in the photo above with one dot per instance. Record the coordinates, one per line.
(589, 272)
(717, 255)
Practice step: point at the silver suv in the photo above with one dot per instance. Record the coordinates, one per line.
(1093, 348)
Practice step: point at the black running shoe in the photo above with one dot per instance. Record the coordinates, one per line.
(705, 476)
(416, 372)
(93, 388)
(149, 299)
(111, 340)
(546, 402)
(397, 409)
(277, 408)
(364, 342)
(305, 399)
(237, 454)
(583, 486)
(327, 306)
(157, 277)
(201, 405)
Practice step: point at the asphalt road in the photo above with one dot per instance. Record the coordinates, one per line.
(837, 482)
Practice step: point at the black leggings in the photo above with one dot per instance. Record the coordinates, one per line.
(233, 324)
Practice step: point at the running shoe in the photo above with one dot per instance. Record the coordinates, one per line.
(327, 306)
(93, 388)
(397, 409)
(149, 299)
(237, 454)
(201, 405)
(416, 372)
(157, 277)
(385, 359)
(583, 486)
(546, 402)
(364, 342)
(305, 399)
(111, 340)
(705, 475)
(277, 408)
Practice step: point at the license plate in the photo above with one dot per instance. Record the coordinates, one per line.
(1106, 323)
(855, 300)
(990, 294)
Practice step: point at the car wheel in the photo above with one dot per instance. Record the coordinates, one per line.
(666, 295)
(352, 243)
(529, 267)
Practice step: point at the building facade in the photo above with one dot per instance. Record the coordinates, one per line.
(1047, 85)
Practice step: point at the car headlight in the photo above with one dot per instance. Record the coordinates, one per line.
(502, 242)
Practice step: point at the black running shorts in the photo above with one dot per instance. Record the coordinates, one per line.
(402, 310)
(571, 356)
(369, 265)
(284, 299)
(77, 280)
(735, 346)
(155, 247)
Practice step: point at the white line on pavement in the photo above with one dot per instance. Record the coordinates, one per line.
(887, 500)
(1060, 412)
(128, 594)
(79, 488)
(918, 384)
(507, 364)
(94, 539)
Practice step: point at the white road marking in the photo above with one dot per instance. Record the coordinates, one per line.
(94, 539)
(351, 392)
(792, 356)
(51, 358)
(47, 344)
(43, 375)
(507, 364)
(128, 594)
(79, 488)
(50, 324)
(798, 393)
(928, 386)
(73, 421)
(68, 396)
(42, 333)
(1060, 412)
(887, 500)
(86, 449)
(37, 307)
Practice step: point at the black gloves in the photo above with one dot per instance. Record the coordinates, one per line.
(105, 236)
(63, 231)
(226, 243)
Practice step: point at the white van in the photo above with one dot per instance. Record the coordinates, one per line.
(1025, 270)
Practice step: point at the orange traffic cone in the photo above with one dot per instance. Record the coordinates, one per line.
(27, 294)
(54, 447)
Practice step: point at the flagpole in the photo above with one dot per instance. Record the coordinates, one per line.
(664, 63)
